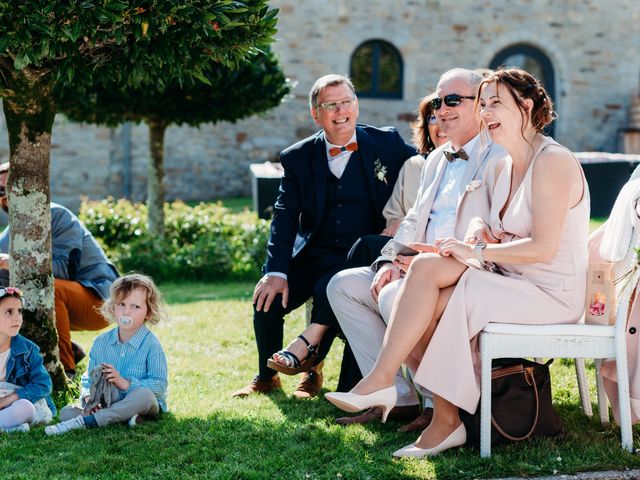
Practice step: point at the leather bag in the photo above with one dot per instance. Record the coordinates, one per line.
(520, 403)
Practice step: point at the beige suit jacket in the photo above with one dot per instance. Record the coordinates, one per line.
(405, 191)
(475, 201)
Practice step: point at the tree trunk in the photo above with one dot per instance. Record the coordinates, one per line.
(29, 110)
(155, 177)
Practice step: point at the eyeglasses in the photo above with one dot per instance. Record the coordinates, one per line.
(452, 100)
(432, 120)
(331, 106)
(10, 291)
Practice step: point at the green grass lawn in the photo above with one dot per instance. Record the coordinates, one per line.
(211, 350)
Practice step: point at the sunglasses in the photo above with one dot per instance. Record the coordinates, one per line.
(452, 100)
(16, 292)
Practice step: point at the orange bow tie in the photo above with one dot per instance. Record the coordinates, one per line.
(352, 147)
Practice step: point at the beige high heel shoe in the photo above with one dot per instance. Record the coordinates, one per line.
(352, 402)
(456, 438)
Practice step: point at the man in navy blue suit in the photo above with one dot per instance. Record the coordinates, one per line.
(334, 188)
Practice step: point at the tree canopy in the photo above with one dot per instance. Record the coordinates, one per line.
(129, 42)
(230, 94)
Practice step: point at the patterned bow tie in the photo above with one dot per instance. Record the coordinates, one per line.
(461, 154)
(352, 147)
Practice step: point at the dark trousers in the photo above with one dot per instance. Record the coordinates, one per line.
(308, 277)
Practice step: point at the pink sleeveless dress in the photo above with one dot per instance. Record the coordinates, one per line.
(539, 293)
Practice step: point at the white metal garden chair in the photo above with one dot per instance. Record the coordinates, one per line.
(578, 341)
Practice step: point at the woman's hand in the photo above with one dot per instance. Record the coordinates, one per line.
(113, 376)
(404, 261)
(455, 248)
(479, 231)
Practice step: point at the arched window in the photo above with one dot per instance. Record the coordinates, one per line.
(534, 61)
(376, 70)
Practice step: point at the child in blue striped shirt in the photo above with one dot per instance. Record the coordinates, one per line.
(129, 358)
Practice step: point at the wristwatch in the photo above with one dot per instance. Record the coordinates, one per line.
(479, 247)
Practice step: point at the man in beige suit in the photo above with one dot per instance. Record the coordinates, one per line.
(456, 186)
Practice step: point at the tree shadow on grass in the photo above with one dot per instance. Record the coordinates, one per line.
(217, 447)
(244, 444)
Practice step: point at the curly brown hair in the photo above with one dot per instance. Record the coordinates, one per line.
(420, 126)
(522, 85)
(124, 285)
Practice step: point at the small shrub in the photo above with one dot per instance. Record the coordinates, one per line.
(114, 222)
(148, 255)
(204, 242)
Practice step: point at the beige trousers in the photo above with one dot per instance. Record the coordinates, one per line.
(141, 401)
(364, 323)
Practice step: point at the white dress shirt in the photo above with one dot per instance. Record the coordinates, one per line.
(338, 163)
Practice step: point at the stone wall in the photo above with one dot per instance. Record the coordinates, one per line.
(596, 69)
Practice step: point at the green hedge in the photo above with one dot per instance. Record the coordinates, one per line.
(203, 242)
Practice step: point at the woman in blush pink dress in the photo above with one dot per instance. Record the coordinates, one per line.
(526, 265)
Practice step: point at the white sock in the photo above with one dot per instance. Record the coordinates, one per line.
(64, 427)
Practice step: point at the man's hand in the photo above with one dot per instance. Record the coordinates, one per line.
(267, 289)
(391, 230)
(113, 376)
(4, 261)
(387, 274)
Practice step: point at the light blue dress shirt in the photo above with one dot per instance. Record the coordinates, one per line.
(442, 219)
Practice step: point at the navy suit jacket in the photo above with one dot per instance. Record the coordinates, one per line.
(301, 200)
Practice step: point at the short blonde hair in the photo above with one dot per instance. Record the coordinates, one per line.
(124, 285)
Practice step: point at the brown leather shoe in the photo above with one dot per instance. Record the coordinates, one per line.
(258, 386)
(310, 385)
(420, 423)
(400, 414)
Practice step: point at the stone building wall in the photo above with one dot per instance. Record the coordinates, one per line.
(596, 70)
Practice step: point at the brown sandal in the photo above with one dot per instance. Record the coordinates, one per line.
(294, 365)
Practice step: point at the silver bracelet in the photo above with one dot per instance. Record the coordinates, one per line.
(479, 247)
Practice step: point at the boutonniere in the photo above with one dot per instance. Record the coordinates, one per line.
(380, 171)
(473, 184)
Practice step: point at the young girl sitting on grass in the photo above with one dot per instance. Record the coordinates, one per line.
(25, 385)
(128, 357)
